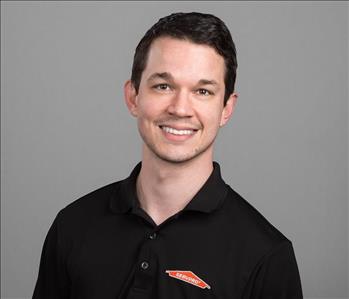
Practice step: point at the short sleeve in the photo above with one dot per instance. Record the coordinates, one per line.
(276, 276)
(52, 281)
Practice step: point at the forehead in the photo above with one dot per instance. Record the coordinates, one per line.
(185, 60)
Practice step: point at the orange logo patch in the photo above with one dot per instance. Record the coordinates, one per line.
(189, 277)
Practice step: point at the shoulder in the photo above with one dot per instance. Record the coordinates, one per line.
(255, 234)
(82, 212)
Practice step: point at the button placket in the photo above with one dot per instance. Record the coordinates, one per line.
(146, 264)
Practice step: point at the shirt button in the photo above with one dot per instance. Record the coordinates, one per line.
(152, 236)
(144, 265)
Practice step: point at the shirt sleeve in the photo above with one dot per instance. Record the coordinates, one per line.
(52, 281)
(276, 276)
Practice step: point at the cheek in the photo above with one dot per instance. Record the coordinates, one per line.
(146, 109)
(212, 118)
(148, 114)
(149, 106)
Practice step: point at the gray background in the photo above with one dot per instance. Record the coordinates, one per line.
(65, 130)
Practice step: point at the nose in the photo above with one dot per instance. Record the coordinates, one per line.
(181, 105)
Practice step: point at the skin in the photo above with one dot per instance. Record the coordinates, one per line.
(182, 87)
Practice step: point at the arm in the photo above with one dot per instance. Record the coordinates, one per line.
(276, 276)
(52, 281)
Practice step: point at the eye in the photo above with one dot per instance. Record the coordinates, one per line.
(204, 92)
(162, 86)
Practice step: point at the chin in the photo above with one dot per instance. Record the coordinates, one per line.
(178, 157)
(175, 160)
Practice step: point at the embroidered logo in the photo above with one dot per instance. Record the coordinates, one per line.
(189, 277)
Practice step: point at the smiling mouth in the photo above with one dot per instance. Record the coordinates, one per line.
(177, 131)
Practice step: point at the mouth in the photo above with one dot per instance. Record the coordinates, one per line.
(180, 132)
(177, 134)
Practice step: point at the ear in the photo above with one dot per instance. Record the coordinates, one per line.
(228, 108)
(130, 96)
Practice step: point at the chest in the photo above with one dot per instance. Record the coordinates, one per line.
(185, 258)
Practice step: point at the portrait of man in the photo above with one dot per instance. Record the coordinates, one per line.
(174, 149)
(173, 228)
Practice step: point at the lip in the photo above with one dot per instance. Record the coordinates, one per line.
(177, 138)
(178, 127)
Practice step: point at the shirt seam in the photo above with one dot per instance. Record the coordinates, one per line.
(264, 257)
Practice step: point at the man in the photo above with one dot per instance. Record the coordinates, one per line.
(173, 228)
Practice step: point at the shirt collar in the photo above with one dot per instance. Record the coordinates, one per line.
(210, 196)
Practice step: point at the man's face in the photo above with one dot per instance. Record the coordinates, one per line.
(179, 106)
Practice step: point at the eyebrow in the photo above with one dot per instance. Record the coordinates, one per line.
(167, 76)
(164, 75)
(207, 82)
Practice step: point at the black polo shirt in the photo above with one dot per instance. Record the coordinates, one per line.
(104, 245)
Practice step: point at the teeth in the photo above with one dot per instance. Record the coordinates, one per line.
(177, 132)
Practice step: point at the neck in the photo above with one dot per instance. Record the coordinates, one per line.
(165, 188)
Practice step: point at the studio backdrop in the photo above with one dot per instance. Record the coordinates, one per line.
(65, 130)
